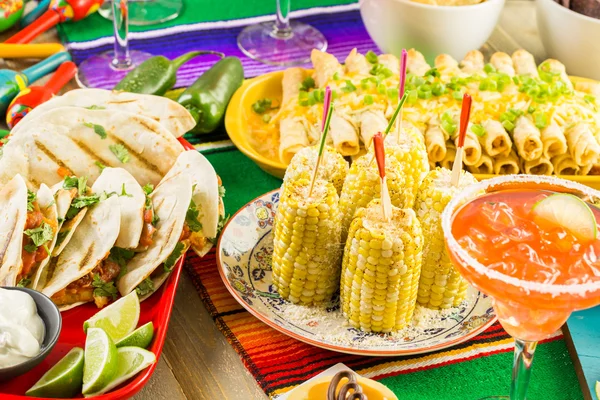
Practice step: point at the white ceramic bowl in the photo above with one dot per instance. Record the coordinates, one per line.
(454, 30)
(572, 38)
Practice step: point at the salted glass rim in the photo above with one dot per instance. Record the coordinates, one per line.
(471, 192)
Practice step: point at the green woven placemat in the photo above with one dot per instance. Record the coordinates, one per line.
(194, 11)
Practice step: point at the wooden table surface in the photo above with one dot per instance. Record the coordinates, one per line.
(197, 362)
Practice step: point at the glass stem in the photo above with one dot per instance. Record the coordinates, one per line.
(524, 351)
(121, 60)
(282, 29)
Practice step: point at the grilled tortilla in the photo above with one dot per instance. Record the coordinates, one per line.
(81, 273)
(145, 271)
(170, 114)
(207, 207)
(70, 141)
(132, 202)
(13, 215)
(38, 236)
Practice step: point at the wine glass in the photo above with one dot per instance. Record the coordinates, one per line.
(281, 42)
(535, 285)
(106, 69)
(147, 12)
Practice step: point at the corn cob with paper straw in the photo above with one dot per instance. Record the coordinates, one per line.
(306, 253)
(381, 264)
(440, 285)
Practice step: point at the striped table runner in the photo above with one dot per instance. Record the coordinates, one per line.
(341, 25)
(471, 370)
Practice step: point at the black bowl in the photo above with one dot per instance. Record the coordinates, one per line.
(49, 313)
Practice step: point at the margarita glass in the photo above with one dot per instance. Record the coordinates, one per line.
(538, 268)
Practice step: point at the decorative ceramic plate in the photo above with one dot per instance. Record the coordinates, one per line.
(244, 258)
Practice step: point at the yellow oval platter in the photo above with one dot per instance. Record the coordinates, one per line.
(269, 86)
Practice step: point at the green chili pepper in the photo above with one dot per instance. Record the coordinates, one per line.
(157, 74)
(207, 98)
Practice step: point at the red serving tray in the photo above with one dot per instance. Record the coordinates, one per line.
(157, 308)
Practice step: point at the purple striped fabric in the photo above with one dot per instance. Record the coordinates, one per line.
(344, 31)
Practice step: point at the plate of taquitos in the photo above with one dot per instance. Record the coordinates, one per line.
(526, 118)
(86, 240)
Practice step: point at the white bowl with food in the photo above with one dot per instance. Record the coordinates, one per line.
(431, 29)
(570, 37)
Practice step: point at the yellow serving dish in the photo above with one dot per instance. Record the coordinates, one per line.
(269, 86)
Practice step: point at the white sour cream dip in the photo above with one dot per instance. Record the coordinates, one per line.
(21, 328)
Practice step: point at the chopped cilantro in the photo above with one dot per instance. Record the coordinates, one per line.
(148, 188)
(222, 221)
(144, 288)
(173, 257)
(100, 165)
(121, 256)
(24, 282)
(120, 152)
(30, 248)
(124, 192)
(85, 201)
(80, 183)
(31, 197)
(41, 234)
(98, 129)
(104, 289)
(62, 235)
(191, 217)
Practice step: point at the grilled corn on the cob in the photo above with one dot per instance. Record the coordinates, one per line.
(307, 244)
(333, 167)
(363, 185)
(380, 269)
(440, 286)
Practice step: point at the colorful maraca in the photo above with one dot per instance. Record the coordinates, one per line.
(10, 12)
(59, 11)
(11, 82)
(33, 96)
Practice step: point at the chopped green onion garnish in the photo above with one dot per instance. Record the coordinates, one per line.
(392, 93)
(433, 72)
(368, 99)
(541, 120)
(509, 126)
(489, 68)
(371, 57)
(349, 87)
(478, 129)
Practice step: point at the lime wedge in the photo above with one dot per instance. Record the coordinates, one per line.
(63, 379)
(100, 361)
(141, 337)
(119, 319)
(597, 388)
(130, 360)
(570, 212)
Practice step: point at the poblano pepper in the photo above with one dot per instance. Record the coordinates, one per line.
(157, 74)
(207, 98)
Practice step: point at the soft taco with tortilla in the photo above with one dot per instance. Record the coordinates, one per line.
(81, 272)
(205, 215)
(31, 226)
(170, 114)
(69, 141)
(146, 271)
